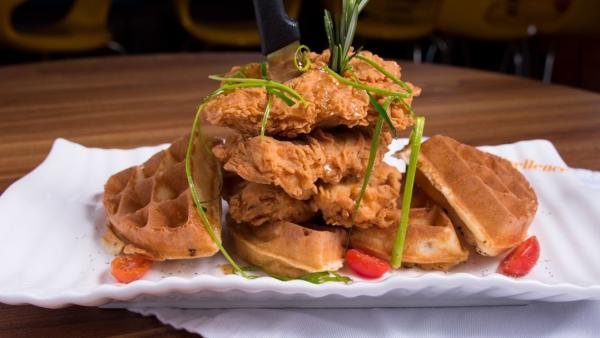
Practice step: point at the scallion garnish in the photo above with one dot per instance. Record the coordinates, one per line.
(195, 195)
(415, 146)
(383, 71)
(372, 155)
(230, 84)
(269, 84)
(318, 277)
(370, 89)
(301, 60)
(283, 98)
(263, 123)
(382, 111)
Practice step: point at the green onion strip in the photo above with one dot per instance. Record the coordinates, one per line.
(263, 123)
(195, 195)
(415, 147)
(303, 63)
(261, 83)
(383, 71)
(370, 89)
(372, 156)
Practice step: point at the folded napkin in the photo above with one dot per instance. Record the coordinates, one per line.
(574, 319)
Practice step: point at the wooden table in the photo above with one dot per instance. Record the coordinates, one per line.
(145, 100)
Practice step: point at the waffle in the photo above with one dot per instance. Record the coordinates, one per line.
(490, 202)
(150, 208)
(431, 242)
(288, 249)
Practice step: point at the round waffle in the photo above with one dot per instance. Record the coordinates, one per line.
(150, 207)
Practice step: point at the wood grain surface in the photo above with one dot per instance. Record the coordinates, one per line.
(145, 100)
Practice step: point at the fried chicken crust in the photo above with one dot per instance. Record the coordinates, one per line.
(329, 102)
(380, 205)
(259, 204)
(297, 165)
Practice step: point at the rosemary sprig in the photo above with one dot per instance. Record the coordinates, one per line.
(415, 147)
(340, 38)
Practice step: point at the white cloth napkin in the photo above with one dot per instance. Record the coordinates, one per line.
(575, 319)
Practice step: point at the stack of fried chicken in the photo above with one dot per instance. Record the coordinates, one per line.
(292, 193)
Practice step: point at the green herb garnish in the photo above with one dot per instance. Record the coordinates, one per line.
(340, 38)
(195, 195)
(382, 111)
(372, 155)
(263, 123)
(383, 71)
(318, 277)
(370, 89)
(301, 60)
(415, 147)
(231, 83)
(269, 84)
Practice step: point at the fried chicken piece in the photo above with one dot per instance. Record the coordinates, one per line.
(258, 204)
(329, 103)
(380, 205)
(296, 165)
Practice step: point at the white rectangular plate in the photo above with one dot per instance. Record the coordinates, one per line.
(51, 222)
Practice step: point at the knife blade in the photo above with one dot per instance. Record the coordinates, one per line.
(279, 38)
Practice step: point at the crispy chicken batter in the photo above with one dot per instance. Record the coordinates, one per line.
(296, 165)
(329, 103)
(258, 204)
(380, 204)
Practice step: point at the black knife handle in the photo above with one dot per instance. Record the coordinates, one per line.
(276, 29)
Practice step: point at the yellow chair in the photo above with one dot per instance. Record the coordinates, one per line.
(399, 20)
(229, 33)
(83, 28)
(581, 18)
(493, 20)
(481, 19)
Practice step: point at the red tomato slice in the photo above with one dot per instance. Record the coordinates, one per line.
(521, 260)
(128, 268)
(366, 265)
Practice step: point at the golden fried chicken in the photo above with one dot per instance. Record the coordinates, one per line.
(258, 204)
(296, 165)
(329, 102)
(380, 205)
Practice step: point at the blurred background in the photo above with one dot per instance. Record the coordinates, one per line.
(555, 41)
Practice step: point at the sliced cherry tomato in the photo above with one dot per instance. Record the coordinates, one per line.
(521, 260)
(366, 265)
(128, 268)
